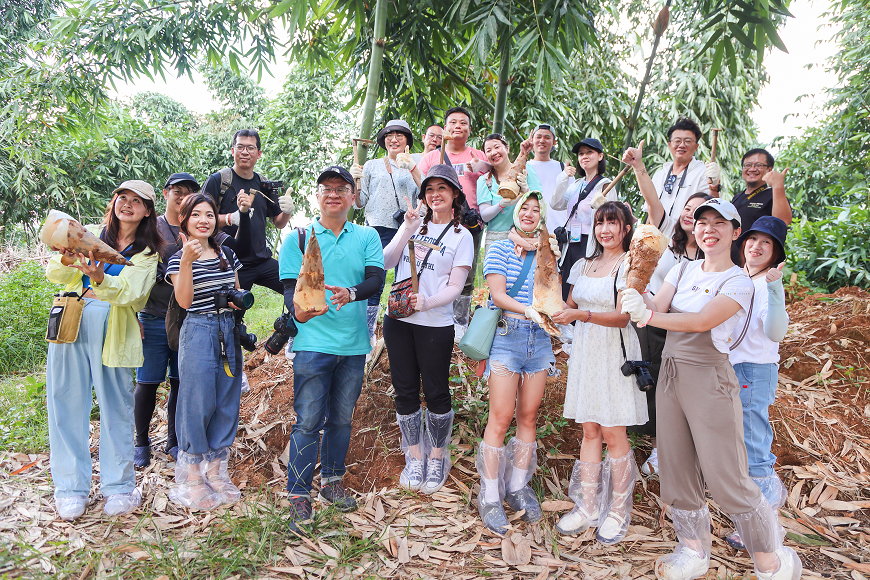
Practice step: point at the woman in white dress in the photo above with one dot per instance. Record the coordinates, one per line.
(597, 394)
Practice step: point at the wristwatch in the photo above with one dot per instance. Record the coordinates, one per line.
(352, 292)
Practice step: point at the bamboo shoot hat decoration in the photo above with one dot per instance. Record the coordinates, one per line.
(448, 174)
(543, 205)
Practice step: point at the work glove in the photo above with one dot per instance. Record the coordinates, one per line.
(405, 161)
(598, 200)
(534, 315)
(713, 173)
(523, 182)
(285, 202)
(476, 165)
(505, 202)
(235, 218)
(554, 245)
(356, 171)
(635, 307)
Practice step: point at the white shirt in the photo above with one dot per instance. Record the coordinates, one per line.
(756, 347)
(456, 249)
(581, 223)
(696, 288)
(547, 172)
(695, 182)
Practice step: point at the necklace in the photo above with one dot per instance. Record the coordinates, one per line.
(595, 269)
(752, 276)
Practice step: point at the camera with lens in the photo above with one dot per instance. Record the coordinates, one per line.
(471, 219)
(275, 188)
(561, 235)
(285, 328)
(247, 340)
(640, 369)
(399, 216)
(242, 299)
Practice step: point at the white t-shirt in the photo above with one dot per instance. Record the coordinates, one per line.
(756, 347)
(695, 182)
(454, 250)
(696, 288)
(668, 260)
(547, 172)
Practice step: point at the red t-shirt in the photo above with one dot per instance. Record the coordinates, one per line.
(467, 179)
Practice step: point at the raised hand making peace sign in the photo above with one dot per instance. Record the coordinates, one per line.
(413, 216)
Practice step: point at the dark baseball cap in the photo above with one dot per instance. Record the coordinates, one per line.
(181, 177)
(589, 142)
(337, 171)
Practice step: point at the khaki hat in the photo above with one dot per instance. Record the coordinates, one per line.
(140, 188)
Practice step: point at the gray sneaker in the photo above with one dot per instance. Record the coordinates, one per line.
(412, 476)
(436, 476)
(525, 499)
(299, 513)
(335, 494)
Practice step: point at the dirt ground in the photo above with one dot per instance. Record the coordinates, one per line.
(822, 439)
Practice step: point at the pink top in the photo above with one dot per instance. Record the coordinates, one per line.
(467, 179)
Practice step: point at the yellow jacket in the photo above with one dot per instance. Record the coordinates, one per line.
(127, 293)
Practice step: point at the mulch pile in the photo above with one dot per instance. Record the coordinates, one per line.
(822, 440)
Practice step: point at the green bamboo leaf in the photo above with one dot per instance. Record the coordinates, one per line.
(717, 60)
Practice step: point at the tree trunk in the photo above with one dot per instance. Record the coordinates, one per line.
(504, 73)
(374, 79)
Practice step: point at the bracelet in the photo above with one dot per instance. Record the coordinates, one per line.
(588, 316)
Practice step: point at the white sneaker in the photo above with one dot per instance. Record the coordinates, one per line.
(412, 476)
(70, 508)
(683, 564)
(650, 467)
(576, 521)
(288, 350)
(119, 504)
(790, 566)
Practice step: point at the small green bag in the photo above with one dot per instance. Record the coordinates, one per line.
(477, 340)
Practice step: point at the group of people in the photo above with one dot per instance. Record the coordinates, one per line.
(707, 326)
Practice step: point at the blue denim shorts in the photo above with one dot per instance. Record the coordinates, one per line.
(521, 346)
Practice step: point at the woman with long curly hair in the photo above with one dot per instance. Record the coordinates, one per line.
(420, 343)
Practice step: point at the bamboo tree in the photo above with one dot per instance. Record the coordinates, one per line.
(504, 72)
(374, 78)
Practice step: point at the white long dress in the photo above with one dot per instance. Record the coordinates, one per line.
(596, 391)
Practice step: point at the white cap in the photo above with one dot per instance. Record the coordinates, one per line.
(725, 208)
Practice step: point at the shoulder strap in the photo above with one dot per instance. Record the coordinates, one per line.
(683, 267)
(226, 182)
(621, 341)
(748, 314)
(301, 232)
(562, 165)
(429, 253)
(583, 195)
(527, 265)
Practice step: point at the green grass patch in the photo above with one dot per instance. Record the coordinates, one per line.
(267, 307)
(25, 297)
(23, 415)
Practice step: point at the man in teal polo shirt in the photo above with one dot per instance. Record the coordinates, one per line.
(331, 345)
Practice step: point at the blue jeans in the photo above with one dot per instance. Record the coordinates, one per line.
(325, 386)
(157, 352)
(71, 371)
(207, 416)
(757, 393)
(386, 235)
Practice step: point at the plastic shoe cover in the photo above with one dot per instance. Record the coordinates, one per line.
(438, 430)
(288, 350)
(142, 456)
(191, 490)
(372, 313)
(461, 316)
(70, 508)
(411, 429)
(619, 476)
(525, 499)
(491, 464)
(588, 493)
(759, 529)
(683, 564)
(691, 559)
(650, 467)
(522, 460)
(217, 477)
(246, 386)
(119, 504)
(773, 490)
(790, 567)
(733, 540)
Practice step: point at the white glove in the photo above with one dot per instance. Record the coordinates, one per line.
(713, 173)
(285, 202)
(235, 218)
(523, 182)
(356, 171)
(405, 161)
(534, 315)
(505, 202)
(554, 245)
(635, 307)
(598, 200)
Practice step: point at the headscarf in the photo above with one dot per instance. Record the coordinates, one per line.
(527, 241)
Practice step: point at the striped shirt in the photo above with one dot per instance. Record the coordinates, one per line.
(207, 278)
(502, 259)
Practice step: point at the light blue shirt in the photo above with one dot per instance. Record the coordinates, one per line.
(338, 332)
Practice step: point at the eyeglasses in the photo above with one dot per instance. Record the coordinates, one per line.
(328, 190)
(394, 135)
(248, 148)
(679, 142)
(434, 136)
(754, 166)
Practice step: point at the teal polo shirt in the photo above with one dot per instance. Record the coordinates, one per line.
(503, 221)
(339, 332)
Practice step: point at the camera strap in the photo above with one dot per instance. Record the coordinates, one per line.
(220, 333)
(621, 341)
(390, 173)
(583, 195)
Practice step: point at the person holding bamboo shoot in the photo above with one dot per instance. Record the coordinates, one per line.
(420, 342)
(700, 433)
(580, 199)
(598, 395)
(347, 262)
(517, 368)
(106, 349)
(384, 185)
(497, 210)
(682, 247)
